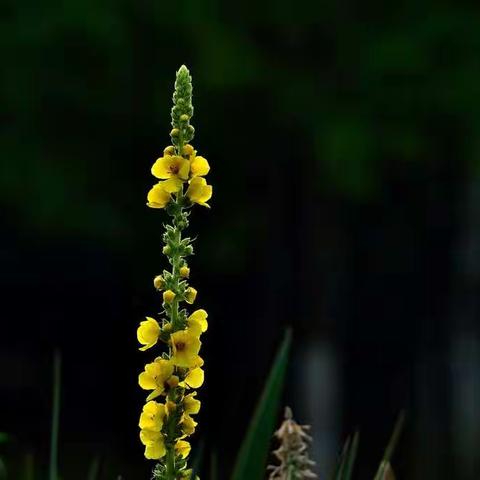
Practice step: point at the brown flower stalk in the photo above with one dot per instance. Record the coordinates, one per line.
(295, 463)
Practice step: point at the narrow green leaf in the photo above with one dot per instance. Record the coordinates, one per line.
(57, 369)
(351, 457)
(340, 466)
(252, 458)
(387, 456)
(3, 470)
(94, 469)
(29, 473)
(213, 466)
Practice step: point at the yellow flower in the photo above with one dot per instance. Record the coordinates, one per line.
(148, 332)
(191, 405)
(199, 192)
(197, 322)
(168, 296)
(158, 197)
(184, 272)
(182, 448)
(171, 166)
(195, 378)
(187, 424)
(199, 167)
(152, 416)
(157, 450)
(190, 295)
(186, 346)
(155, 376)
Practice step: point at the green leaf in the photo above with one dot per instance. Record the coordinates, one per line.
(251, 460)
(94, 470)
(351, 457)
(57, 369)
(346, 462)
(385, 470)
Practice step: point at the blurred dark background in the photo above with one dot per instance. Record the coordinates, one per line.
(344, 141)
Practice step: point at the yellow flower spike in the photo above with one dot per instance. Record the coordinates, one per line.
(184, 272)
(157, 450)
(155, 376)
(147, 333)
(152, 417)
(190, 295)
(199, 192)
(197, 322)
(168, 296)
(158, 197)
(191, 406)
(171, 166)
(195, 378)
(185, 346)
(182, 448)
(187, 424)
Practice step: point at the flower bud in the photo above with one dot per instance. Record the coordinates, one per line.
(184, 272)
(175, 132)
(170, 407)
(167, 250)
(188, 250)
(170, 150)
(159, 282)
(173, 381)
(190, 295)
(184, 118)
(187, 149)
(167, 328)
(168, 296)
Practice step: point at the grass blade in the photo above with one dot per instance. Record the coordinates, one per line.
(351, 457)
(384, 468)
(251, 460)
(57, 370)
(94, 470)
(213, 466)
(340, 467)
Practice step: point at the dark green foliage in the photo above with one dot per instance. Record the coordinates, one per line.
(252, 457)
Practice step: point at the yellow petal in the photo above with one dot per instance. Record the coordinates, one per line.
(199, 192)
(182, 448)
(148, 332)
(195, 378)
(157, 197)
(191, 405)
(149, 438)
(156, 393)
(197, 321)
(162, 167)
(199, 167)
(172, 185)
(146, 381)
(155, 451)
